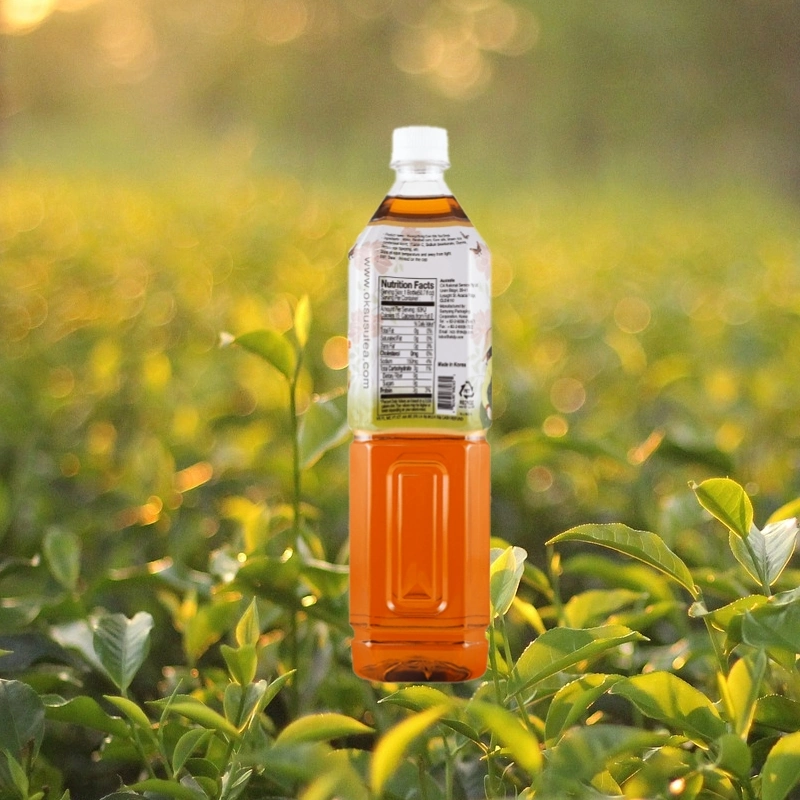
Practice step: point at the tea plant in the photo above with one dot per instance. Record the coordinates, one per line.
(173, 575)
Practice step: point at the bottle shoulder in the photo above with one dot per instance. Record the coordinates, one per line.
(437, 209)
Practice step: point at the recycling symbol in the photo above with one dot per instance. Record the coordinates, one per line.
(466, 391)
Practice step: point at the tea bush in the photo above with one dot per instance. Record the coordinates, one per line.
(173, 574)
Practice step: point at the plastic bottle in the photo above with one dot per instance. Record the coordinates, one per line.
(419, 404)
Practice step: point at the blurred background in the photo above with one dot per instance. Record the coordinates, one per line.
(174, 170)
(692, 92)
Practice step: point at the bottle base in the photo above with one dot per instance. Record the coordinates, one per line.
(420, 662)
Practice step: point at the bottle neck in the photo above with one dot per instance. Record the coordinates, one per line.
(419, 179)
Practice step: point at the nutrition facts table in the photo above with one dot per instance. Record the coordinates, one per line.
(407, 342)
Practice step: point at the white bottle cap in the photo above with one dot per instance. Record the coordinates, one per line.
(420, 143)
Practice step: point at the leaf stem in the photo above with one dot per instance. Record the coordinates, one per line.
(449, 764)
(517, 694)
(722, 662)
(296, 494)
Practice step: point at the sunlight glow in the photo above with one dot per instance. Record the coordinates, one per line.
(21, 16)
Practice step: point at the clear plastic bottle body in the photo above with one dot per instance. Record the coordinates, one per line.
(419, 405)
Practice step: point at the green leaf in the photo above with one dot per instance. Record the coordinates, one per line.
(273, 348)
(669, 699)
(642, 545)
(421, 698)
(733, 755)
(302, 321)
(132, 711)
(122, 645)
(743, 688)
(273, 689)
(83, 711)
(583, 752)
(561, 648)
(522, 745)
(772, 548)
(728, 502)
(248, 629)
(572, 701)
(393, 744)
(721, 618)
(197, 711)
(22, 717)
(209, 623)
(505, 574)
(19, 777)
(592, 607)
(186, 745)
(772, 626)
(321, 728)
(781, 772)
(168, 788)
(323, 427)
(62, 551)
(242, 662)
(241, 702)
(778, 712)
(330, 580)
(791, 509)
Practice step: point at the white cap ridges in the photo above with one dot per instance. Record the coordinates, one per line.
(419, 143)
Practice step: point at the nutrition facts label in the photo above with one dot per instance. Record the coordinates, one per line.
(407, 342)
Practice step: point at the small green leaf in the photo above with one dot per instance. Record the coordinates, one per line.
(197, 711)
(273, 689)
(791, 509)
(583, 752)
(321, 728)
(83, 711)
(329, 580)
(302, 321)
(573, 700)
(773, 626)
(593, 606)
(22, 716)
(522, 745)
(168, 788)
(122, 645)
(186, 745)
(421, 698)
(273, 348)
(62, 551)
(18, 775)
(728, 502)
(721, 618)
(209, 624)
(781, 772)
(505, 574)
(642, 545)
(743, 688)
(241, 702)
(323, 427)
(393, 744)
(132, 711)
(772, 548)
(669, 699)
(242, 662)
(778, 712)
(248, 629)
(561, 648)
(733, 755)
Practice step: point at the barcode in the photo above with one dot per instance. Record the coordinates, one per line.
(446, 393)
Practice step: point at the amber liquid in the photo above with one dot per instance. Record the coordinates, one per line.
(419, 534)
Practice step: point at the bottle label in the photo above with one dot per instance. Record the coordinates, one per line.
(420, 329)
